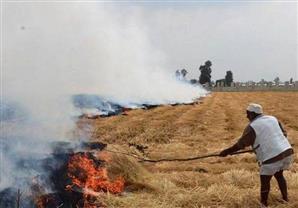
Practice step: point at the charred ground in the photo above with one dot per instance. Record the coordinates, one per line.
(190, 130)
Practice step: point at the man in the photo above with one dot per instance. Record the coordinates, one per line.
(273, 150)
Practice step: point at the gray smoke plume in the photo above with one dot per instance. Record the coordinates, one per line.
(52, 51)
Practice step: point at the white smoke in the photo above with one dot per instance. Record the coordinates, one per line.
(54, 50)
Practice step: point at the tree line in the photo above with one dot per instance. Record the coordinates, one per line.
(205, 76)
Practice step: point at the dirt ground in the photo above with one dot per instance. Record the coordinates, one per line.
(182, 131)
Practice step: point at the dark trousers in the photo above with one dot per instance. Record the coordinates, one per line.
(265, 186)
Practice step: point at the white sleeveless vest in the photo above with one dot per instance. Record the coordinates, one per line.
(270, 140)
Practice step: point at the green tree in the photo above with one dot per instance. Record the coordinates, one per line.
(276, 80)
(229, 78)
(291, 80)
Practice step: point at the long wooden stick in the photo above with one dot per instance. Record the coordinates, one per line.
(176, 159)
(192, 158)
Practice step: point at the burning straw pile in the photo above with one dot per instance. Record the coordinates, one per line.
(89, 174)
(80, 179)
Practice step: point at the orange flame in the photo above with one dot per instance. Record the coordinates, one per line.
(84, 174)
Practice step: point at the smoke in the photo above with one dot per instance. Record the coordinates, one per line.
(52, 51)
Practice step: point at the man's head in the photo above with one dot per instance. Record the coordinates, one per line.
(253, 110)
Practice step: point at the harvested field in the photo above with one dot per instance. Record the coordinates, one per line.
(190, 130)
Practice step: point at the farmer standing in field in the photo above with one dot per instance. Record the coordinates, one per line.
(273, 151)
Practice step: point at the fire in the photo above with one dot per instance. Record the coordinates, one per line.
(86, 174)
(81, 182)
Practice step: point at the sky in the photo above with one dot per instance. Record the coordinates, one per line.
(255, 40)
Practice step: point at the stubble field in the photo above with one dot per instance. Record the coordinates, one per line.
(182, 131)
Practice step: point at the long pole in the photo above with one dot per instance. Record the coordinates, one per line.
(177, 159)
(193, 158)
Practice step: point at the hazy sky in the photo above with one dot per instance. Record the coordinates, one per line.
(255, 40)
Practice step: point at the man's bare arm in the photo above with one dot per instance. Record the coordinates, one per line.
(247, 139)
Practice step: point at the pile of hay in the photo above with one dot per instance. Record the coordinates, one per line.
(136, 177)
